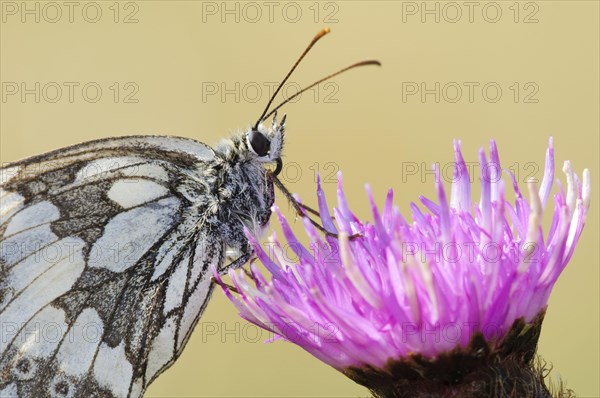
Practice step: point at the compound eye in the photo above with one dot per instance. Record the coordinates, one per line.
(260, 144)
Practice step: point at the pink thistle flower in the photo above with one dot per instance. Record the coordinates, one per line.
(430, 306)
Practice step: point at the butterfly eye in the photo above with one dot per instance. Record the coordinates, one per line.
(260, 144)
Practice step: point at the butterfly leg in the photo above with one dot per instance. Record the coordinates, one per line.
(308, 209)
(299, 207)
(238, 262)
(249, 272)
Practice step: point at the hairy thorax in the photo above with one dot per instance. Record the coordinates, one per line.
(245, 195)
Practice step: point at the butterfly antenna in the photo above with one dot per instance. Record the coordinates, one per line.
(315, 39)
(347, 68)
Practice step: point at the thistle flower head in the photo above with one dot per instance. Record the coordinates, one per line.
(458, 278)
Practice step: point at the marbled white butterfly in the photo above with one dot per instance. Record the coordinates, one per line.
(106, 249)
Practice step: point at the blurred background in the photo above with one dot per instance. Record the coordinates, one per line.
(518, 72)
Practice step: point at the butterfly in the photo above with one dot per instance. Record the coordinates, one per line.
(106, 251)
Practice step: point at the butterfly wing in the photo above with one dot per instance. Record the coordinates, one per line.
(104, 264)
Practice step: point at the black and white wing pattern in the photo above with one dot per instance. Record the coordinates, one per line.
(104, 264)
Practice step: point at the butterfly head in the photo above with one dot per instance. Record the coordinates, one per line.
(266, 143)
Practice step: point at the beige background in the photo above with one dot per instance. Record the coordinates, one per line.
(177, 49)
